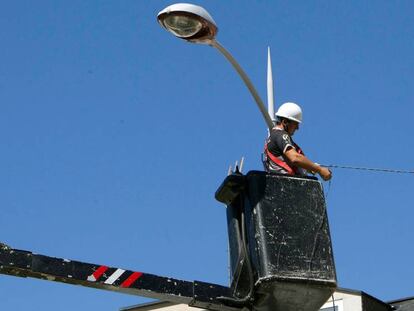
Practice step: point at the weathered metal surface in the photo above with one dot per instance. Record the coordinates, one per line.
(288, 228)
(207, 296)
(288, 239)
(230, 189)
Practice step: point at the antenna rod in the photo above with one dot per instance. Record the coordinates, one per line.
(270, 96)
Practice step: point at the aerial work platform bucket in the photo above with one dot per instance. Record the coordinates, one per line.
(280, 246)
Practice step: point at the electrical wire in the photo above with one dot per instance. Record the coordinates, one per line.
(328, 191)
(385, 170)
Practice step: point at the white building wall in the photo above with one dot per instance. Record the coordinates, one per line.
(344, 302)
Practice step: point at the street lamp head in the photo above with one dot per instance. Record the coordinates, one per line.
(189, 22)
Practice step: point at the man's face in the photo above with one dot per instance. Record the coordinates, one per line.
(292, 126)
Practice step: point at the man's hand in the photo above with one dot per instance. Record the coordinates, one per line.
(300, 160)
(325, 173)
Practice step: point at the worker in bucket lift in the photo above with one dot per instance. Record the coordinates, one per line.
(281, 154)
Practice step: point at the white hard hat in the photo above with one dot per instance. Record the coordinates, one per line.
(290, 111)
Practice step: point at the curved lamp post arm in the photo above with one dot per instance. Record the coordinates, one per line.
(246, 81)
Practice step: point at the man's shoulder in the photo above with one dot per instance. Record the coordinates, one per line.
(279, 141)
(278, 133)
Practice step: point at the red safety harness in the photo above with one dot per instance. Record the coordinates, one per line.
(281, 163)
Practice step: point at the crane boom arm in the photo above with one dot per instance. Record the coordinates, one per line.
(197, 294)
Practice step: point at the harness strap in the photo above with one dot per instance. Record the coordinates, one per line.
(279, 162)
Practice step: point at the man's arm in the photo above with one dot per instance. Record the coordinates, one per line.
(300, 160)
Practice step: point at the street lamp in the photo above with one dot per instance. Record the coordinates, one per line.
(193, 23)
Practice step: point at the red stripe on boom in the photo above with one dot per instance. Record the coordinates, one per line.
(98, 273)
(133, 277)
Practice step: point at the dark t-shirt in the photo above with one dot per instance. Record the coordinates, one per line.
(278, 143)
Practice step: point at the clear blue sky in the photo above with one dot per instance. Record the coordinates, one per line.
(115, 136)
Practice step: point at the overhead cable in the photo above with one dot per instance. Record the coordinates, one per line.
(369, 169)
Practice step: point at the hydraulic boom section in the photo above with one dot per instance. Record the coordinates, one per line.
(197, 294)
(280, 253)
